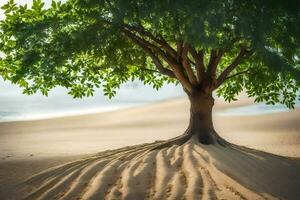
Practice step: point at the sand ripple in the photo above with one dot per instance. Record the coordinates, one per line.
(188, 171)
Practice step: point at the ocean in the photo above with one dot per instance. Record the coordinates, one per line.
(15, 106)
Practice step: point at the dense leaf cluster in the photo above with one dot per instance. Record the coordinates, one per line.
(81, 44)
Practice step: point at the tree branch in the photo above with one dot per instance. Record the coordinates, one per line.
(179, 46)
(154, 58)
(187, 65)
(242, 54)
(198, 57)
(165, 55)
(150, 70)
(149, 45)
(161, 41)
(236, 74)
(214, 60)
(175, 67)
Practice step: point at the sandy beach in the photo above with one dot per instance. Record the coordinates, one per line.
(29, 147)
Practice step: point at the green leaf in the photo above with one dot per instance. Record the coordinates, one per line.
(81, 45)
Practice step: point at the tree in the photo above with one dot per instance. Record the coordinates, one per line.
(206, 46)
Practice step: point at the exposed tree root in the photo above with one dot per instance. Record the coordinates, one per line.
(175, 141)
(181, 168)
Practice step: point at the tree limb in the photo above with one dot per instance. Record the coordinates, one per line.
(215, 57)
(198, 57)
(165, 55)
(187, 65)
(150, 70)
(242, 54)
(161, 41)
(236, 74)
(179, 46)
(175, 67)
(154, 58)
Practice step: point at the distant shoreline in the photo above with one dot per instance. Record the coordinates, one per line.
(36, 117)
(29, 147)
(241, 110)
(90, 111)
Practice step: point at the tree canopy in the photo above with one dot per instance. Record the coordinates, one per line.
(228, 46)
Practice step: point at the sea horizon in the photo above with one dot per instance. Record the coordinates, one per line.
(16, 106)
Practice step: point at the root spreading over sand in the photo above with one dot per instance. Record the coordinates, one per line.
(187, 171)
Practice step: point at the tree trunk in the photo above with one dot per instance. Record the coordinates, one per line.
(201, 123)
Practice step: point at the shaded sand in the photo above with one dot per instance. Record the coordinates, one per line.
(188, 171)
(192, 170)
(15, 171)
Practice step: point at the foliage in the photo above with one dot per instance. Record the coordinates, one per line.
(81, 44)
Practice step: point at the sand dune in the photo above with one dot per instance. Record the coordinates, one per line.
(190, 171)
(276, 133)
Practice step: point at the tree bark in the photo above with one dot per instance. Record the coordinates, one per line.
(201, 123)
